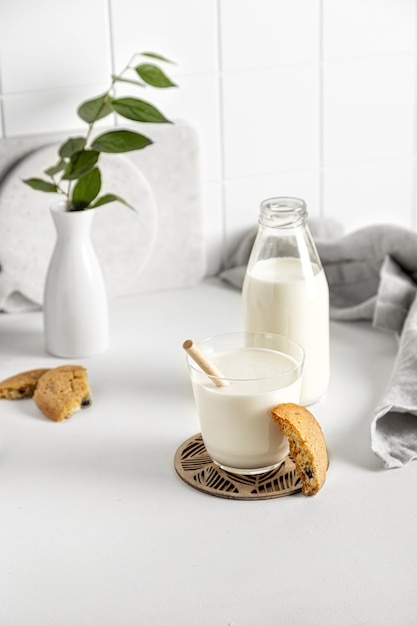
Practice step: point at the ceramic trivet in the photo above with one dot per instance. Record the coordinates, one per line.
(196, 468)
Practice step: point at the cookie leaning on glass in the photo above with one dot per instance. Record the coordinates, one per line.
(307, 445)
(58, 392)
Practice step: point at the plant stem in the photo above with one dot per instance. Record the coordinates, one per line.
(114, 80)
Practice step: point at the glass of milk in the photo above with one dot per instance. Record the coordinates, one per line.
(260, 370)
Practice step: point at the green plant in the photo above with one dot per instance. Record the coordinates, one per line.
(76, 174)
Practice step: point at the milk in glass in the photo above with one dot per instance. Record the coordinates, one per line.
(236, 424)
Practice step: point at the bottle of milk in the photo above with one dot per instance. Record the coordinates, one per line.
(285, 290)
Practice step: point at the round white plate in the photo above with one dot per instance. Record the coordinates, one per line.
(123, 238)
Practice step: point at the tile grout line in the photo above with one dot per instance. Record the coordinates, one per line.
(111, 38)
(413, 190)
(321, 111)
(2, 119)
(111, 46)
(221, 132)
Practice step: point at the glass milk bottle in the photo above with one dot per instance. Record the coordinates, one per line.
(285, 290)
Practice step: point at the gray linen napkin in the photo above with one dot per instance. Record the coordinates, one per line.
(372, 275)
(394, 427)
(11, 298)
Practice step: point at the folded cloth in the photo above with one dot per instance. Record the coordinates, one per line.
(395, 296)
(372, 275)
(394, 427)
(12, 300)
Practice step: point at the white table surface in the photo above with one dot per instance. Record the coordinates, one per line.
(96, 528)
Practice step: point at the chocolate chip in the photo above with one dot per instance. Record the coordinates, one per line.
(309, 472)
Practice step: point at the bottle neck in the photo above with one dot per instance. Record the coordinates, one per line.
(285, 213)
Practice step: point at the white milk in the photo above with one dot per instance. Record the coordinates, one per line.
(236, 424)
(278, 299)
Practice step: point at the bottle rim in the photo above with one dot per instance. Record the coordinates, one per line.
(283, 212)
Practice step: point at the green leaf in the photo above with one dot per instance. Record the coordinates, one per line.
(86, 189)
(138, 110)
(95, 109)
(153, 55)
(70, 146)
(55, 169)
(81, 162)
(109, 197)
(120, 79)
(120, 141)
(41, 185)
(153, 75)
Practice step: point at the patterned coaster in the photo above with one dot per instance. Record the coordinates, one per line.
(195, 467)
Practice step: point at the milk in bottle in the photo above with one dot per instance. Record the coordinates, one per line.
(285, 289)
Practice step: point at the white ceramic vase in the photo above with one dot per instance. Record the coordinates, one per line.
(75, 301)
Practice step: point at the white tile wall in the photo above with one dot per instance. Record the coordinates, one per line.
(185, 31)
(314, 98)
(373, 191)
(358, 28)
(263, 33)
(48, 45)
(270, 120)
(368, 106)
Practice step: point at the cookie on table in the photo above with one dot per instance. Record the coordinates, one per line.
(21, 385)
(62, 391)
(307, 445)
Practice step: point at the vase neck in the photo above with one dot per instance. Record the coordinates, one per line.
(70, 224)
